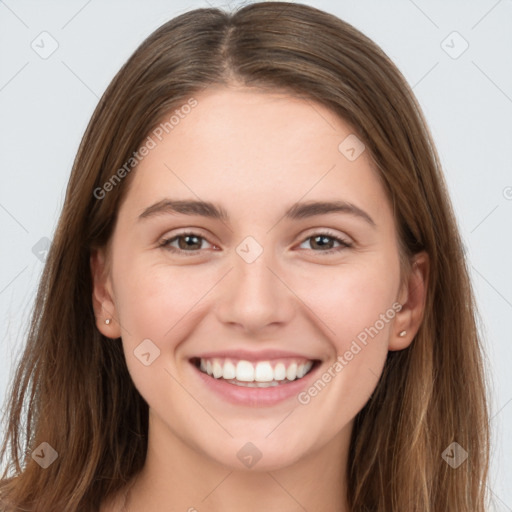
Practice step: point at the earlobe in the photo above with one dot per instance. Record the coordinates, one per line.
(413, 298)
(102, 296)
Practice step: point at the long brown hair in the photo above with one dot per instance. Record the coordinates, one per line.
(72, 388)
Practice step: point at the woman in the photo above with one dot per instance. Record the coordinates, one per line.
(256, 297)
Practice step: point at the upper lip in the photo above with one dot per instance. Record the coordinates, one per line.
(247, 355)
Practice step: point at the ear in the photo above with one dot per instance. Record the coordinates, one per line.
(102, 296)
(412, 297)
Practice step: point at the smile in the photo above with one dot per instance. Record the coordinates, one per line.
(255, 373)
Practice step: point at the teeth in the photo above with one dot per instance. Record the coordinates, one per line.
(260, 374)
(255, 384)
(217, 369)
(291, 372)
(302, 370)
(280, 371)
(229, 370)
(244, 371)
(264, 372)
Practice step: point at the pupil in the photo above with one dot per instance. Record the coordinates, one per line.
(322, 240)
(188, 238)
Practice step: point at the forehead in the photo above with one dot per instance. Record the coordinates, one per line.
(256, 149)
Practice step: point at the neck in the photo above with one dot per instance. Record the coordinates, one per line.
(178, 476)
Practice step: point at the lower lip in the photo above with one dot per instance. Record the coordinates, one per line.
(255, 397)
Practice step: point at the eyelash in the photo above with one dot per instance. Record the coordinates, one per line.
(327, 234)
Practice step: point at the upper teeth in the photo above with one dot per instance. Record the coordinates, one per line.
(262, 371)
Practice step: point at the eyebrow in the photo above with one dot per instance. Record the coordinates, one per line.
(295, 212)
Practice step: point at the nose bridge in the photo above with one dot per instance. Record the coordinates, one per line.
(253, 296)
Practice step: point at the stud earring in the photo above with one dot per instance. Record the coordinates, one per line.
(402, 334)
(107, 321)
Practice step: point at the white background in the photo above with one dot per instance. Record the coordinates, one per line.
(45, 105)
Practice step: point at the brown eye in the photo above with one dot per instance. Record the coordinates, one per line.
(327, 243)
(185, 242)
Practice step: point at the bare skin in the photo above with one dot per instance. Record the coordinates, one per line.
(255, 155)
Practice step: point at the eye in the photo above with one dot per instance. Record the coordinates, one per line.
(326, 242)
(188, 242)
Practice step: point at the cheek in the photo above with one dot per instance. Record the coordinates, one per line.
(152, 301)
(355, 302)
(353, 298)
(155, 303)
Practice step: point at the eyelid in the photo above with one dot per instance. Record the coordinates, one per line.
(329, 232)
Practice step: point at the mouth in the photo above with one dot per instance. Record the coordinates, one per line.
(255, 374)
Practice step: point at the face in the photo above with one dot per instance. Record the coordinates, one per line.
(223, 307)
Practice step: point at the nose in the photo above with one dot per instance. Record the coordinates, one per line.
(255, 297)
